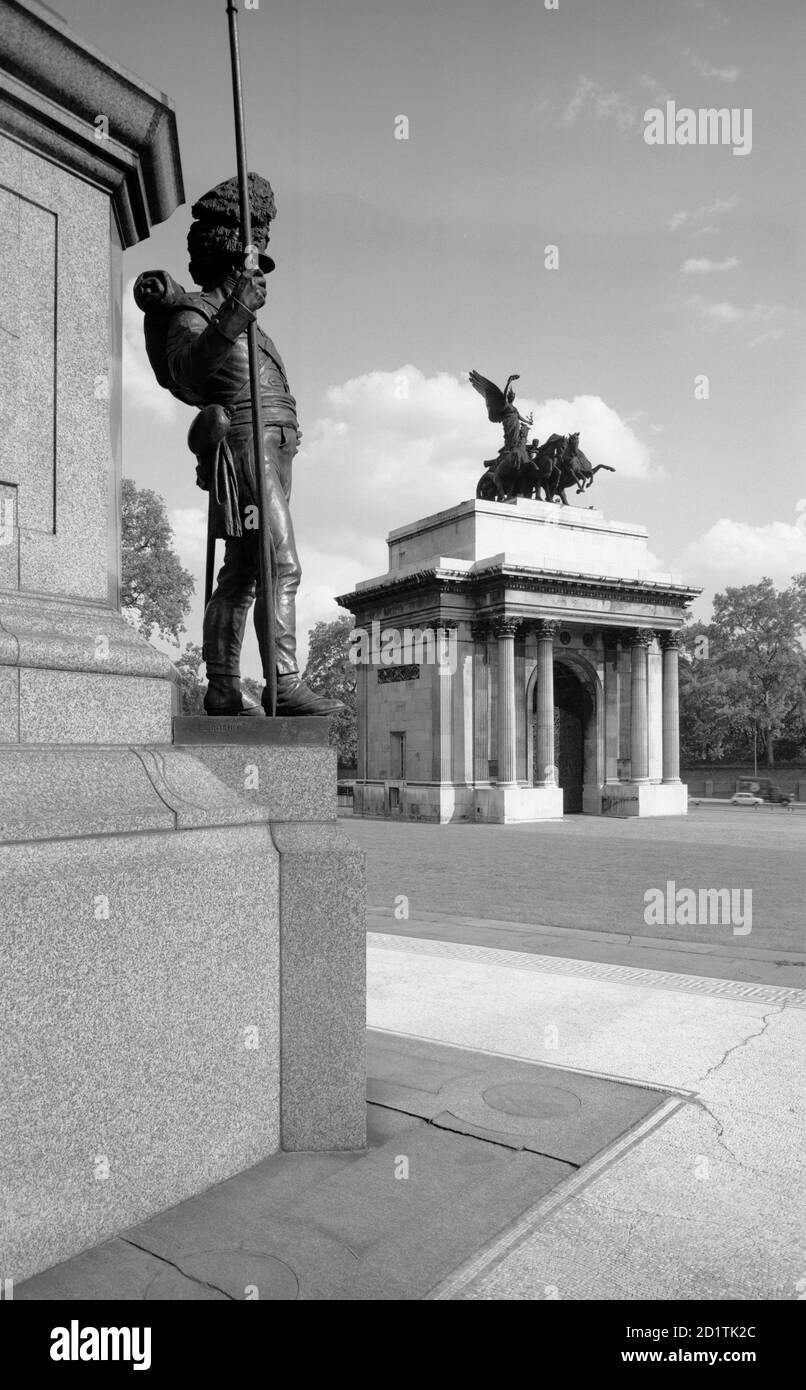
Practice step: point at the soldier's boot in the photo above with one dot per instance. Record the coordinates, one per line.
(295, 698)
(225, 698)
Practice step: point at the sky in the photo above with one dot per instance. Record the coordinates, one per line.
(404, 263)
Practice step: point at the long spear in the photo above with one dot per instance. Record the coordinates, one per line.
(251, 263)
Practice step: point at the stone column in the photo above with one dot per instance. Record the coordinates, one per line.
(444, 678)
(544, 742)
(655, 707)
(670, 644)
(362, 710)
(481, 704)
(612, 711)
(640, 640)
(505, 633)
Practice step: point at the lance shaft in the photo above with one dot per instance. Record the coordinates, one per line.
(251, 263)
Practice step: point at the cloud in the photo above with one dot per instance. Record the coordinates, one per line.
(394, 446)
(189, 525)
(140, 388)
(655, 88)
(771, 335)
(387, 448)
(707, 70)
(736, 552)
(589, 99)
(695, 219)
(722, 313)
(703, 266)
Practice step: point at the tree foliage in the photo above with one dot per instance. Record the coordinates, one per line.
(155, 589)
(330, 672)
(750, 685)
(193, 686)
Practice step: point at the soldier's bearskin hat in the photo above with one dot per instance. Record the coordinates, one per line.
(214, 239)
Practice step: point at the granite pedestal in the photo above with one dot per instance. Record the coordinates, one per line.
(181, 935)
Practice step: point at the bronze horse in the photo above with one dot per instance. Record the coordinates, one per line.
(544, 474)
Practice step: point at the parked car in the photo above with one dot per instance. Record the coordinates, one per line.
(746, 799)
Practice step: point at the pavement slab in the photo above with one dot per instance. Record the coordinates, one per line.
(461, 1143)
(708, 1205)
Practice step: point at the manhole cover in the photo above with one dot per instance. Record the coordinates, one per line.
(532, 1099)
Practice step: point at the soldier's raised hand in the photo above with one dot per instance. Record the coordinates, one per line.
(250, 290)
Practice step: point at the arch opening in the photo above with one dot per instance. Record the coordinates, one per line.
(575, 735)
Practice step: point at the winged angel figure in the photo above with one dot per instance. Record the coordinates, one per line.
(513, 457)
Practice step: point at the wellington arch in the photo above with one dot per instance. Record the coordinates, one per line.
(521, 664)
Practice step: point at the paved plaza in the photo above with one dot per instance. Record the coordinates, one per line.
(592, 873)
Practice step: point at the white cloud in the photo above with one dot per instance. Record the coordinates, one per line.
(770, 335)
(722, 313)
(708, 70)
(588, 99)
(703, 266)
(695, 219)
(736, 552)
(592, 97)
(604, 436)
(189, 526)
(140, 388)
(390, 447)
(657, 89)
(395, 446)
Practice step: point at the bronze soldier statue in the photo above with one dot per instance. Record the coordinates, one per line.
(197, 346)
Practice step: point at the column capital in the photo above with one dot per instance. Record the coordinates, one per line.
(671, 641)
(546, 629)
(506, 627)
(640, 637)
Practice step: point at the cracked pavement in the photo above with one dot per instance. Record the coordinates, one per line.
(709, 1204)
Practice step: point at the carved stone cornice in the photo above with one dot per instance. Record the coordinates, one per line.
(53, 89)
(445, 583)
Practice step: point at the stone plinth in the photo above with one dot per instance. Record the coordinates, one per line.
(140, 1039)
(69, 204)
(322, 918)
(645, 799)
(539, 534)
(181, 935)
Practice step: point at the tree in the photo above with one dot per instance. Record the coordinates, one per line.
(192, 686)
(155, 589)
(752, 684)
(330, 672)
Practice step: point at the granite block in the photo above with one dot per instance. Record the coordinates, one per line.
(9, 532)
(83, 707)
(59, 792)
(289, 783)
(323, 987)
(9, 704)
(202, 729)
(137, 968)
(47, 632)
